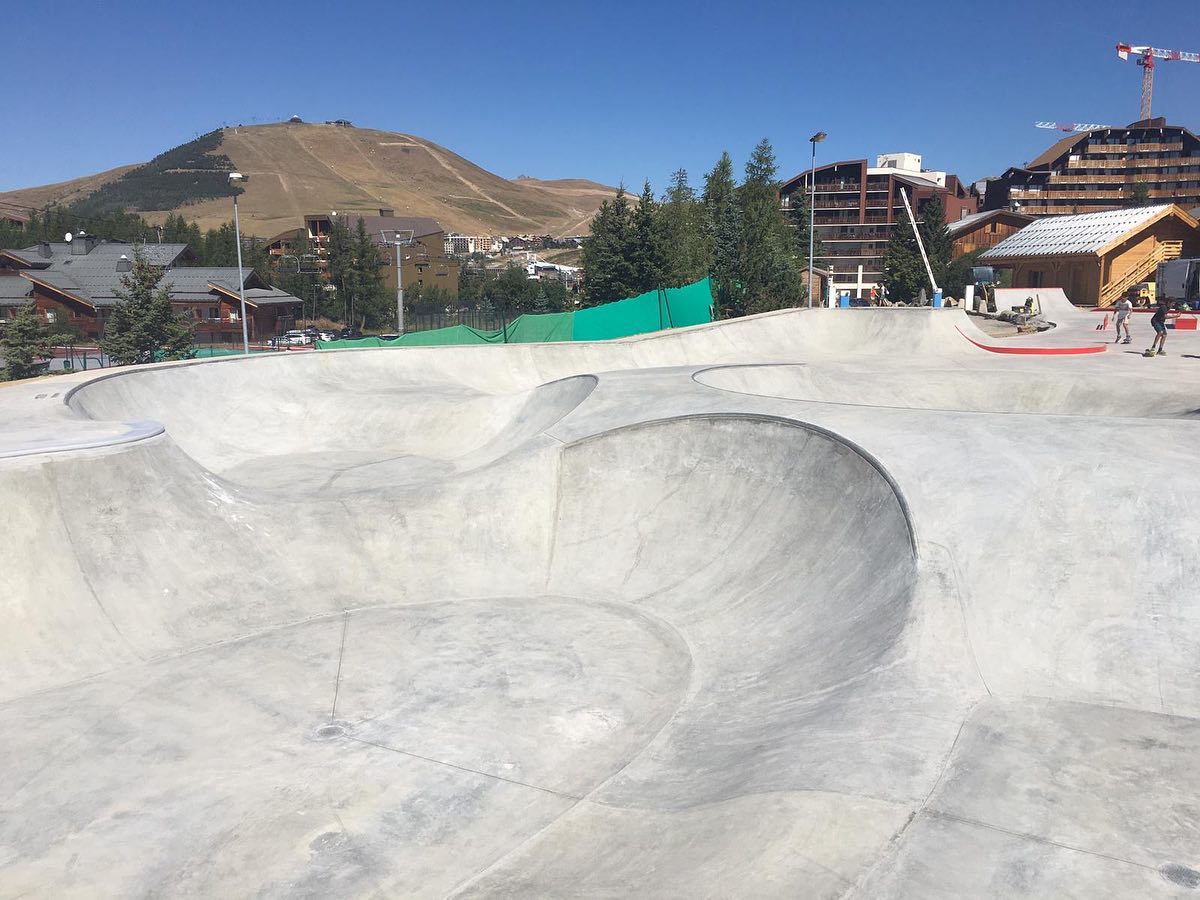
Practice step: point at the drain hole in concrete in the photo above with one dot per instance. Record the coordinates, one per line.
(327, 732)
(1181, 875)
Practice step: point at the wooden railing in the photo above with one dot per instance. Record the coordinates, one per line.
(1162, 252)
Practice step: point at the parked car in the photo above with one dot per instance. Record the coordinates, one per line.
(327, 336)
(1179, 280)
(294, 339)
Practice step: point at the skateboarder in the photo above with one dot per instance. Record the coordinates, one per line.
(1124, 308)
(1159, 323)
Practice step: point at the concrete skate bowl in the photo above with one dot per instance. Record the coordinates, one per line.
(674, 647)
(992, 390)
(344, 421)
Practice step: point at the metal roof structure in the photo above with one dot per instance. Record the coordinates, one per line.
(14, 288)
(1081, 234)
(63, 255)
(93, 278)
(979, 218)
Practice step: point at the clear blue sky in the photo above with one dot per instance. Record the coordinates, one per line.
(609, 91)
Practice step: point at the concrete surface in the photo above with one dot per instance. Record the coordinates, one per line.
(827, 603)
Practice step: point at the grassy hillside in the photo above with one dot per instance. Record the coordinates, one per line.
(299, 168)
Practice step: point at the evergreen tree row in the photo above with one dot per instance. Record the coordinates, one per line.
(754, 250)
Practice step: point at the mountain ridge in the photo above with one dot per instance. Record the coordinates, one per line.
(296, 169)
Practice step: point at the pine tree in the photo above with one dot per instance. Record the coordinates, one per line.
(513, 292)
(799, 215)
(687, 246)
(607, 257)
(143, 327)
(340, 269)
(365, 279)
(24, 342)
(220, 246)
(938, 244)
(646, 247)
(723, 224)
(1139, 194)
(959, 275)
(767, 252)
(541, 303)
(903, 271)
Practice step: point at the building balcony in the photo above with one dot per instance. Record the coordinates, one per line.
(862, 236)
(1067, 195)
(1158, 162)
(1094, 147)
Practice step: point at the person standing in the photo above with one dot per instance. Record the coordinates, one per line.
(1159, 323)
(1124, 308)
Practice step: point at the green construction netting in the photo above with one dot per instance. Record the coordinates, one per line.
(652, 311)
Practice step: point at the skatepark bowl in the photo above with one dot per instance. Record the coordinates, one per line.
(986, 390)
(818, 603)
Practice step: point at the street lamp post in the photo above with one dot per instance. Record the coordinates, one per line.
(236, 179)
(812, 209)
(399, 241)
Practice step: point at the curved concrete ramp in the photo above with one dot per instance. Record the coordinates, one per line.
(822, 604)
(689, 682)
(991, 390)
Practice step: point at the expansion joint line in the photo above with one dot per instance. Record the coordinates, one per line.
(574, 798)
(337, 683)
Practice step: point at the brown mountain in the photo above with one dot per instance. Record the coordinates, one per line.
(304, 168)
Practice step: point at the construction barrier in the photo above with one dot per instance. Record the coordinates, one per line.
(652, 311)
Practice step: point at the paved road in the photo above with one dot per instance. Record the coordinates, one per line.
(825, 603)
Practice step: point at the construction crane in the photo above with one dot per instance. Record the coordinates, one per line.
(1069, 126)
(1145, 58)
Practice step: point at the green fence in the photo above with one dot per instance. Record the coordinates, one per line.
(652, 311)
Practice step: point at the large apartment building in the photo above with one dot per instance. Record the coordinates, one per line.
(424, 260)
(456, 244)
(1096, 170)
(858, 206)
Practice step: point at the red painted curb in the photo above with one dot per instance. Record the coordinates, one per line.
(1036, 351)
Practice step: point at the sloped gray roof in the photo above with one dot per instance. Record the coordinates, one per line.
(1086, 233)
(977, 218)
(196, 279)
(418, 225)
(269, 297)
(94, 277)
(14, 288)
(104, 253)
(186, 284)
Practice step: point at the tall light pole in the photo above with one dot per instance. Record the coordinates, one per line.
(399, 242)
(812, 208)
(236, 179)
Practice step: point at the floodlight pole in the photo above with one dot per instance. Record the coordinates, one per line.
(234, 179)
(812, 209)
(399, 242)
(399, 291)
